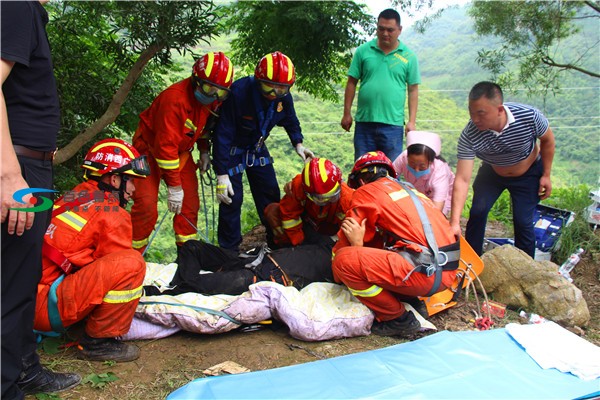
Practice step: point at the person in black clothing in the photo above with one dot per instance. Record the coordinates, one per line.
(232, 273)
(30, 120)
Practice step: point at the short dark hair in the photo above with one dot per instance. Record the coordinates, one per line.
(390, 13)
(489, 90)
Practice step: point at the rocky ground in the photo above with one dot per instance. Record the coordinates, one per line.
(169, 363)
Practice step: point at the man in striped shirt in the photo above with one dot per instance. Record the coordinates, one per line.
(504, 136)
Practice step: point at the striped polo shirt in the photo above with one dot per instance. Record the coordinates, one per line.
(513, 144)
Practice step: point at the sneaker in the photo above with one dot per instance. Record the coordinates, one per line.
(46, 381)
(405, 324)
(105, 349)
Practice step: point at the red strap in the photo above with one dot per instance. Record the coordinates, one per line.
(57, 257)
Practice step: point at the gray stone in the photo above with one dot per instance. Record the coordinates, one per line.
(512, 277)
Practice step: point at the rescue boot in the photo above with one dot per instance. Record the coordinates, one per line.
(105, 349)
(404, 325)
(36, 379)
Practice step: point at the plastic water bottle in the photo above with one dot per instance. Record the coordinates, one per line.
(567, 267)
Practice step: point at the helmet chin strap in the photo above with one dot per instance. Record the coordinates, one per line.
(110, 188)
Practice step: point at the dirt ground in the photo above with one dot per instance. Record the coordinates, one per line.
(170, 363)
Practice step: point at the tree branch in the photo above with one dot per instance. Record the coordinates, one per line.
(550, 62)
(113, 110)
(592, 5)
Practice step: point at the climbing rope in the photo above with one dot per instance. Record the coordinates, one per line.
(208, 178)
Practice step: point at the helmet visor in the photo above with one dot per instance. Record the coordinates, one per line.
(323, 199)
(272, 89)
(212, 90)
(138, 167)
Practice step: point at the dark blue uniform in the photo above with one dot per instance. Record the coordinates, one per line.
(246, 120)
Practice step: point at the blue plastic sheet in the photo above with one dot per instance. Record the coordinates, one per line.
(446, 365)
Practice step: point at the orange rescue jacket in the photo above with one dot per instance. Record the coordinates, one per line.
(297, 205)
(389, 209)
(169, 128)
(86, 232)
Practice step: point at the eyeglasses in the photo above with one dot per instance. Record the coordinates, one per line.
(211, 90)
(322, 199)
(271, 89)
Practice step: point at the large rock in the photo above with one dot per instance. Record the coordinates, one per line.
(512, 277)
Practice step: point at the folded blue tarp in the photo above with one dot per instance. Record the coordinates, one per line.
(446, 365)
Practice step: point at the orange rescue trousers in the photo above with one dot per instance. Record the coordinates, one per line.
(144, 212)
(107, 292)
(374, 276)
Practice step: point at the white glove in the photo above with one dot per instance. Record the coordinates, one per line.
(224, 189)
(303, 152)
(175, 198)
(204, 163)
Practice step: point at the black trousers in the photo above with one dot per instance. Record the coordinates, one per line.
(302, 265)
(21, 272)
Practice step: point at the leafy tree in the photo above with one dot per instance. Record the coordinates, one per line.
(533, 35)
(100, 50)
(318, 36)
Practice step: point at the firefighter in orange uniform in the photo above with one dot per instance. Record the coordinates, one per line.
(89, 268)
(314, 207)
(384, 255)
(179, 117)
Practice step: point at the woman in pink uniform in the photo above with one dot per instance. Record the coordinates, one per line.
(422, 166)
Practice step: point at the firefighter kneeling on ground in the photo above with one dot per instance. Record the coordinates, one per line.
(89, 267)
(314, 205)
(384, 255)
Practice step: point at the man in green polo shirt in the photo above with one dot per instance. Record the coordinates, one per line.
(386, 69)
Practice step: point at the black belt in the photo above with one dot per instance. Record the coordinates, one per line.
(38, 155)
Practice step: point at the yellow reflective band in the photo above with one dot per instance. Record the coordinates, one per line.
(305, 174)
(115, 144)
(123, 296)
(138, 244)
(185, 238)
(270, 66)
(210, 63)
(340, 216)
(370, 292)
(229, 73)
(73, 220)
(400, 194)
(333, 190)
(290, 68)
(322, 170)
(190, 125)
(291, 223)
(168, 164)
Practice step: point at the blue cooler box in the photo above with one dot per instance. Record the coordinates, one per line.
(548, 223)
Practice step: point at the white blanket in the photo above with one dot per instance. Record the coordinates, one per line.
(320, 311)
(552, 346)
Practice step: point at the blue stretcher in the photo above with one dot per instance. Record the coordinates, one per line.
(445, 365)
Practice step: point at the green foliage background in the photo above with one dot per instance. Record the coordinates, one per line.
(447, 53)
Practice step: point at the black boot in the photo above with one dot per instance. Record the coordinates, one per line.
(104, 349)
(37, 379)
(405, 324)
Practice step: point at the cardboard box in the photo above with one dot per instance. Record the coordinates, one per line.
(548, 224)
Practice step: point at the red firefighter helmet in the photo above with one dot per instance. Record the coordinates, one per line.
(369, 162)
(276, 68)
(114, 156)
(321, 181)
(213, 74)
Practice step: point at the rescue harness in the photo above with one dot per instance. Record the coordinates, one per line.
(431, 260)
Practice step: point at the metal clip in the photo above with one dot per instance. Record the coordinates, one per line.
(250, 164)
(259, 144)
